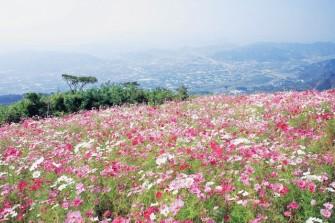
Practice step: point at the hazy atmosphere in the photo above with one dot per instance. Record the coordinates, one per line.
(167, 111)
(51, 24)
(210, 46)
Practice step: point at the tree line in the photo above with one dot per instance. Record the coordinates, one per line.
(108, 94)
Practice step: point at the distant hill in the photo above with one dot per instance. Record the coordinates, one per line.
(9, 99)
(277, 51)
(320, 76)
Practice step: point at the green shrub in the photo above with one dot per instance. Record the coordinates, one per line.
(160, 95)
(13, 113)
(73, 102)
(57, 103)
(108, 94)
(34, 105)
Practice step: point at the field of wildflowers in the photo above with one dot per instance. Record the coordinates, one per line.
(256, 158)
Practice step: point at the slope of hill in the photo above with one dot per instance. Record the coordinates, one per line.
(257, 158)
(268, 52)
(320, 76)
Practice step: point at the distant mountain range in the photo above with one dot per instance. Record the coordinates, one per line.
(216, 69)
(268, 52)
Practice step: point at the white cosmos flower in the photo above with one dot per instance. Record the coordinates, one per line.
(165, 211)
(182, 181)
(241, 141)
(36, 163)
(314, 220)
(245, 193)
(300, 152)
(164, 158)
(36, 174)
(312, 177)
(62, 187)
(86, 145)
(152, 216)
(147, 185)
(64, 181)
(298, 160)
(11, 211)
(330, 189)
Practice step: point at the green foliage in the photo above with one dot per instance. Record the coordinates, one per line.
(160, 95)
(57, 103)
(191, 209)
(108, 94)
(240, 214)
(73, 102)
(76, 83)
(13, 113)
(182, 93)
(330, 133)
(34, 105)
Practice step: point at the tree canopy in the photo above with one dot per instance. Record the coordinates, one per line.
(77, 83)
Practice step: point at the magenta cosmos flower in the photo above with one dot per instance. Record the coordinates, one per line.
(74, 217)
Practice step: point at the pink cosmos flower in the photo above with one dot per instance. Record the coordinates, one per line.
(328, 159)
(328, 206)
(77, 202)
(114, 169)
(65, 204)
(207, 220)
(120, 220)
(149, 211)
(107, 214)
(89, 214)
(326, 213)
(283, 126)
(245, 179)
(227, 187)
(159, 195)
(274, 174)
(22, 185)
(37, 184)
(258, 219)
(74, 217)
(293, 205)
(11, 153)
(301, 184)
(6, 189)
(312, 187)
(217, 150)
(284, 190)
(176, 206)
(249, 170)
(287, 213)
(80, 188)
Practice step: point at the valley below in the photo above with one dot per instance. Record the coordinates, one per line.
(263, 67)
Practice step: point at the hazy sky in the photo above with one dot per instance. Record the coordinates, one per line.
(153, 23)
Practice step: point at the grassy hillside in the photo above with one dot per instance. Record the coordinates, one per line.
(258, 158)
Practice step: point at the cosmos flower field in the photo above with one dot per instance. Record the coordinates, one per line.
(256, 158)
